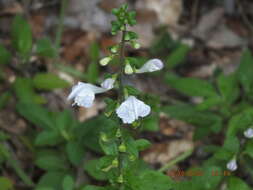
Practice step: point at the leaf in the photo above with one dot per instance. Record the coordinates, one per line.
(149, 180)
(89, 131)
(75, 152)
(245, 70)
(48, 137)
(177, 56)
(228, 87)
(210, 179)
(21, 35)
(5, 55)
(50, 180)
(45, 48)
(23, 88)
(4, 99)
(142, 144)
(92, 169)
(150, 123)
(191, 86)
(235, 183)
(36, 114)
(51, 162)
(48, 81)
(92, 72)
(68, 183)
(92, 187)
(249, 148)
(6, 183)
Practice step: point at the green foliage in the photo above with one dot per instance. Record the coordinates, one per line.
(48, 81)
(5, 55)
(6, 183)
(44, 48)
(21, 36)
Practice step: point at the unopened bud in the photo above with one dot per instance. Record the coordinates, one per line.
(232, 165)
(122, 147)
(128, 69)
(248, 133)
(105, 61)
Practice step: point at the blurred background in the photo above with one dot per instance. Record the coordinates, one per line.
(57, 43)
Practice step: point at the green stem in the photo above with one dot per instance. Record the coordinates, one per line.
(121, 98)
(177, 160)
(60, 28)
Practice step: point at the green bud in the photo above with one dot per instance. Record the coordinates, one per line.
(122, 147)
(105, 61)
(107, 168)
(120, 179)
(118, 133)
(132, 158)
(104, 137)
(135, 45)
(115, 163)
(128, 69)
(114, 49)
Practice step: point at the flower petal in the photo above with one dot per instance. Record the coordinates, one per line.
(232, 165)
(151, 66)
(108, 84)
(248, 133)
(75, 90)
(131, 109)
(85, 98)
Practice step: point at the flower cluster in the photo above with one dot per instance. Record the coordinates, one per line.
(130, 110)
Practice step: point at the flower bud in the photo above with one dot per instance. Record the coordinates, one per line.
(122, 147)
(232, 165)
(115, 163)
(104, 137)
(128, 69)
(136, 45)
(248, 133)
(105, 61)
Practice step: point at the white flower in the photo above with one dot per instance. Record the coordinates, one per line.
(131, 109)
(232, 165)
(151, 66)
(248, 133)
(84, 93)
(108, 83)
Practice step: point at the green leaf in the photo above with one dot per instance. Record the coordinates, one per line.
(5, 55)
(150, 180)
(48, 138)
(21, 35)
(209, 180)
(89, 131)
(23, 88)
(177, 56)
(49, 81)
(92, 169)
(142, 144)
(240, 122)
(50, 180)
(4, 99)
(150, 123)
(93, 72)
(249, 148)
(245, 70)
(209, 102)
(235, 183)
(191, 86)
(92, 187)
(36, 114)
(45, 48)
(75, 152)
(6, 183)
(68, 183)
(228, 88)
(51, 162)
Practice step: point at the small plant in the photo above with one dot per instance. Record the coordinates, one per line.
(121, 165)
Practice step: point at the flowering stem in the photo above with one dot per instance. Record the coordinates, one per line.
(121, 98)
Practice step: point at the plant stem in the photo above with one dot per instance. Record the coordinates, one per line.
(60, 28)
(121, 98)
(175, 161)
